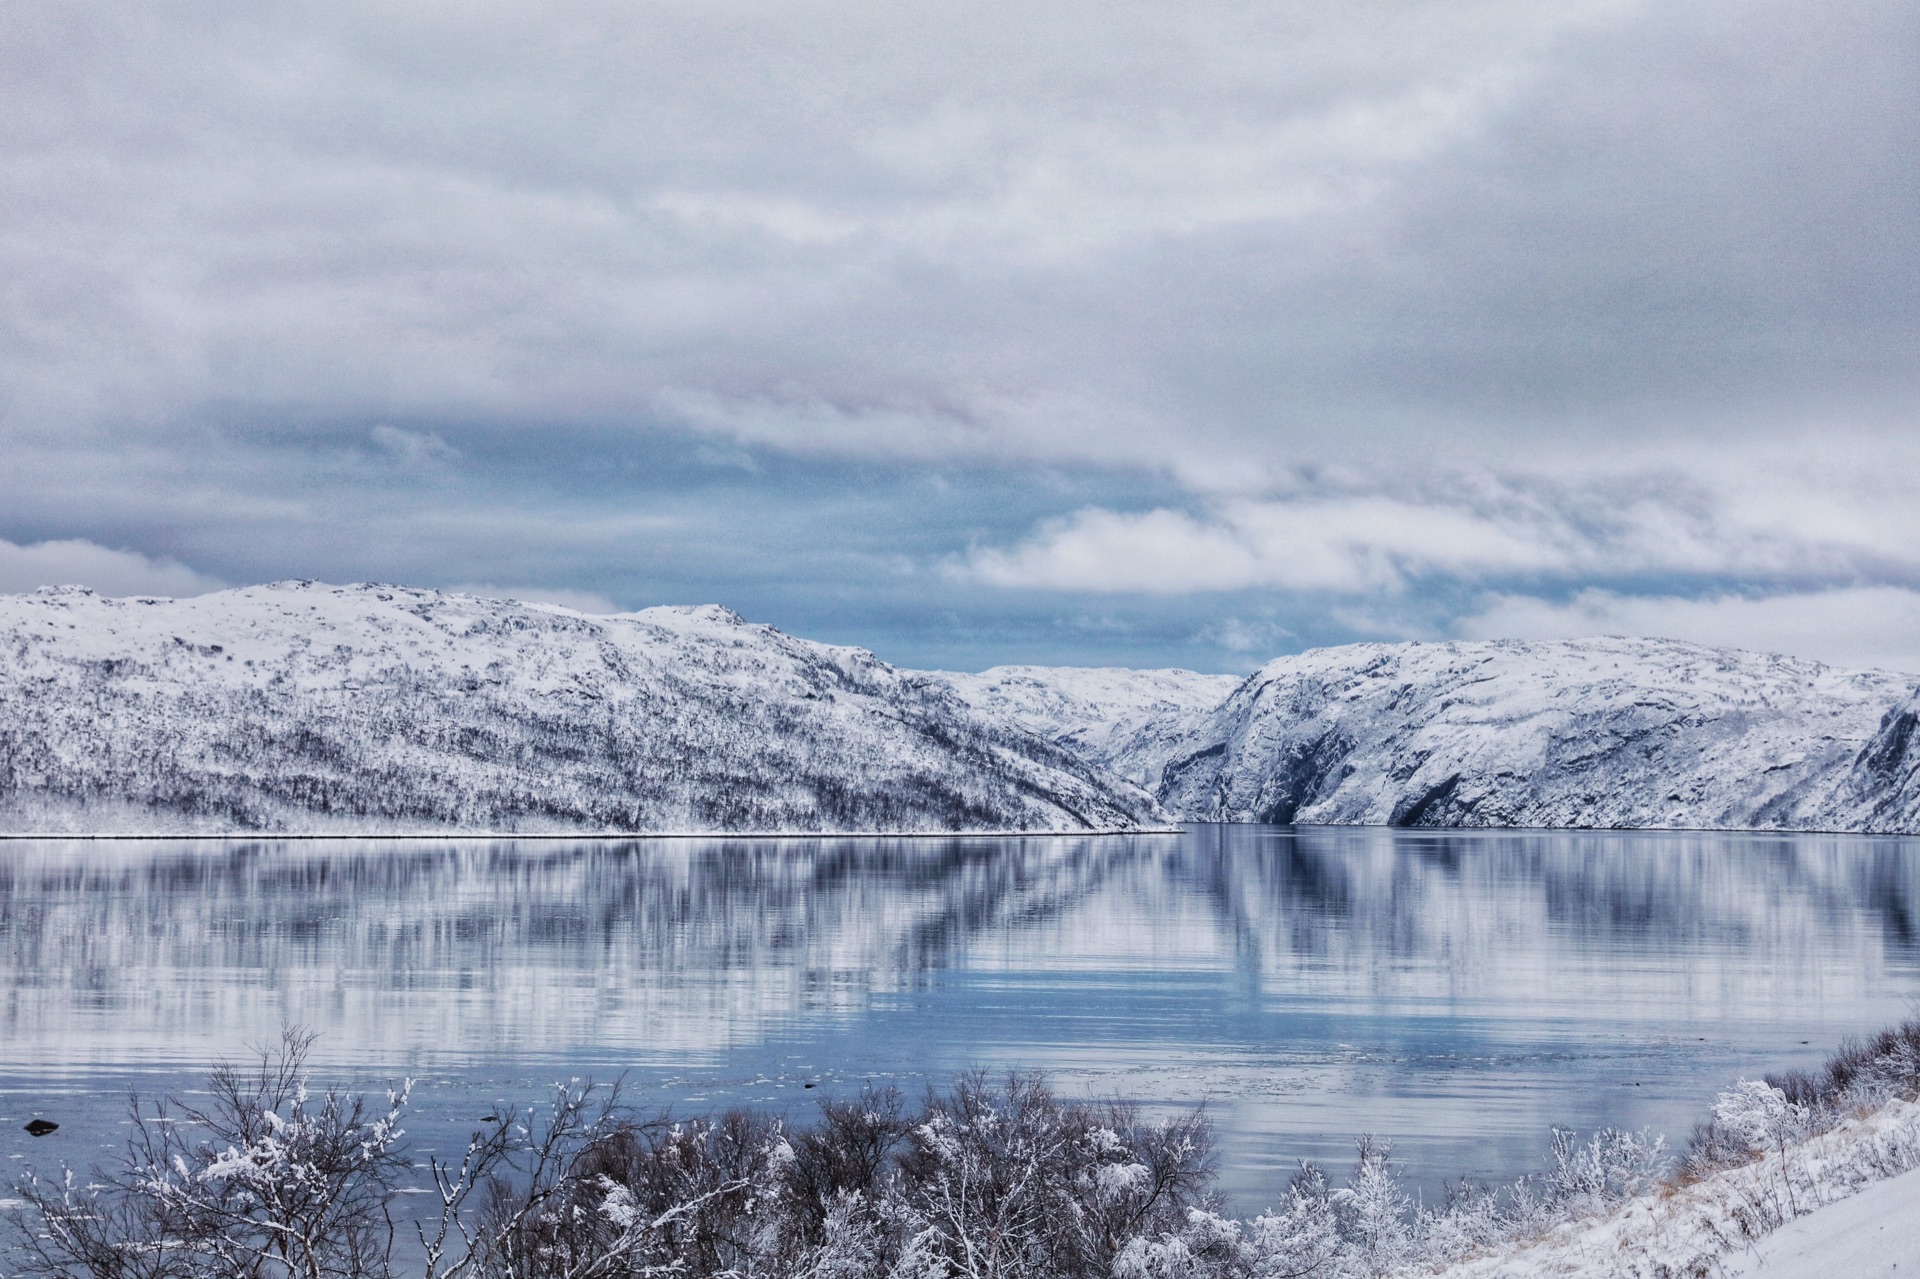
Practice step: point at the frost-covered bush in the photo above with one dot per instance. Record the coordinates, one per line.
(1863, 1073)
(1611, 1166)
(986, 1180)
(1759, 1116)
(263, 1178)
(1362, 1230)
(1008, 1180)
(1756, 1116)
(1373, 1212)
(1303, 1236)
(1206, 1246)
(270, 1181)
(1471, 1219)
(625, 1197)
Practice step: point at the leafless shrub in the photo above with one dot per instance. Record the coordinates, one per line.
(263, 1180)
(696, 1199)
(271, 1182)
(841, 1177)
(1009, 1180)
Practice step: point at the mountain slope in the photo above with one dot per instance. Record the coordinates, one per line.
(1580, 733)
(1124, 721)
(301, 706)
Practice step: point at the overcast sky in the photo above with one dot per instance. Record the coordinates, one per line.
(982, 332)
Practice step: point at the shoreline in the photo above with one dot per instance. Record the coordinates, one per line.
(1041, 833)
(308, 836)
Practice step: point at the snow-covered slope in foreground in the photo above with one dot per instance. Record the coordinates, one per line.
(301, 706)
(1843, 1203)
(1578, 733)
(1874, 1235)
(1125, 721)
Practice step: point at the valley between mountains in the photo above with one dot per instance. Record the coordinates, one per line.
(305, 707)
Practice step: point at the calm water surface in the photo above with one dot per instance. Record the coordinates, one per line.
(1457, 992)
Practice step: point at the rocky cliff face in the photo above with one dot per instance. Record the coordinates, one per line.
(300, 706)
(1883, 787)
(1582, 733)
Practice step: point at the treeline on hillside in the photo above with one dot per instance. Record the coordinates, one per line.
(410, 753)
(997, 1178)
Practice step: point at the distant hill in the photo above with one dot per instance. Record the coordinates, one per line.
(1125, 721)
(306, 707)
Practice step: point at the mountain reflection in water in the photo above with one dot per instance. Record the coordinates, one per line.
(1459, 992)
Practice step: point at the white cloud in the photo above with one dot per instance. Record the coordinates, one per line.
(1862, 626)
(415, 448)
(1256, 637)
(1159, 552)
(1356, 543)
(1772, 518)
(75, 562)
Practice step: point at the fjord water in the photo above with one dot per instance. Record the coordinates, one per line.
(1457, 992)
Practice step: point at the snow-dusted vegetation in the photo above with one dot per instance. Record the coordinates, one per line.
(267, 1179)
(1774, 1151)
(999, 1179)
(307, 707)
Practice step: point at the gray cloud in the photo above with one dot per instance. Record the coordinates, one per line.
(841, 227)
(1401, 294)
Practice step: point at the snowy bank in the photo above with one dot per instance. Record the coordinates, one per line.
(1791, 1149)
(1806, 1208)
(1873, 1235)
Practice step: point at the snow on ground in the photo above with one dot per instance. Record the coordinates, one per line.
(1872, 1235)
(1596, 733)
(305, 706)
(1797, 1210)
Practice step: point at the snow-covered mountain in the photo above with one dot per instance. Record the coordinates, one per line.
(300, 706)
(1578, 733)
(1125, 721)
